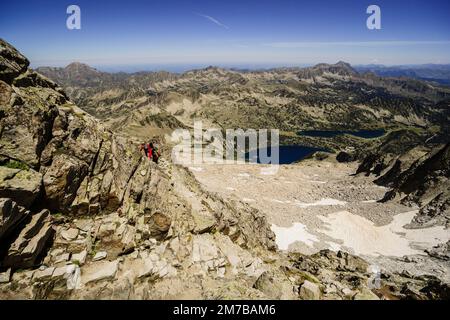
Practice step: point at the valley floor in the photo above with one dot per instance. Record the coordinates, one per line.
(317, 205)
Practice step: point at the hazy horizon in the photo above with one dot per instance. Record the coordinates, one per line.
(280, 33)
(180, 68)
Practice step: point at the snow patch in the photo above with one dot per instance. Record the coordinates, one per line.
(317, 181)
(369, 201)
(322, 202)
(244, 175)
(364, 237)
(298, 232)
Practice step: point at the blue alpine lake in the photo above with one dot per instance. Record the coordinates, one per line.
(366, 134)
(287, 154)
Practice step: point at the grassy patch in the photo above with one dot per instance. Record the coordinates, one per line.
(57, 215)
(12, 164)
(76, 262)
(435, 129)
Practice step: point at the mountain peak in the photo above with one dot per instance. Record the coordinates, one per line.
(340, 68)
(343, 64)
(80, 67)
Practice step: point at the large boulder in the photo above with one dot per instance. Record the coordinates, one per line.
(310, 291)
(62, 180)
(22, 186)
(344, 157)
(275, 285)
(159, 225)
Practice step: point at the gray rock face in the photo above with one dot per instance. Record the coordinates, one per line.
(366, 295)
(32, 240)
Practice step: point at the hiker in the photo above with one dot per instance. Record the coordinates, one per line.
(151, 151)
(145, 147)
(155, 152)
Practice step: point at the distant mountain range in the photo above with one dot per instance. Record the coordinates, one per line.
(321, 97)
(439, 73)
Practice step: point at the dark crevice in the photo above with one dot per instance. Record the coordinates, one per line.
(75, 133)
(45, 248)
(129, 179)
(94, 161)
(47, 133)
(9, 238)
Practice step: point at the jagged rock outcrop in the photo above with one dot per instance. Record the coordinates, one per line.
(276, 285)
(12, 62)
(84, 168)
(417, 177)
(427, 175)
(441, 251)
(343, 156)
(12, 216)
(427, 182)
(339, 274)
(23, 236)
(24, 252)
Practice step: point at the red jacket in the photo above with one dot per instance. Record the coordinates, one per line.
(150, 152)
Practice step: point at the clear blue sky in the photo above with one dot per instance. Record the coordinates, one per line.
(277, 32)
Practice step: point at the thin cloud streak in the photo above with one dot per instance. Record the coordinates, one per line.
(213, 20)
(353, 44)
